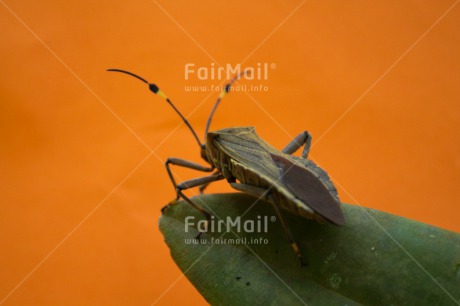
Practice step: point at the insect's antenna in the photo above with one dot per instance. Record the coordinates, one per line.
(224, 92)
(154, 88)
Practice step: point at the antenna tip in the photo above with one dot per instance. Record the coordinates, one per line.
(129, 73)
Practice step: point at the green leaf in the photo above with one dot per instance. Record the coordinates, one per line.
(375, 259)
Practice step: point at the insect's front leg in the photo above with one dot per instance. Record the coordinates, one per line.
(203, 187)
(264, 193)
(194, 183)
(186, 164)
(304, 139)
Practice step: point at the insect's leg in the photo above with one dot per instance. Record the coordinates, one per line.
(194, 183)
(304, 139)
(203, 187)
(288, 232)
(186, 164)
(264, 192)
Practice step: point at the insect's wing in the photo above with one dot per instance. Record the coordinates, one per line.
(309, 189)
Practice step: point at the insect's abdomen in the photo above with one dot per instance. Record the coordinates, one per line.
(242, 156)
(279, 196)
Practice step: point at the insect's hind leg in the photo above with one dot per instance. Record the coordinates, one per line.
(289, 235)
(304, 139)
(194, 183)
(264, 193)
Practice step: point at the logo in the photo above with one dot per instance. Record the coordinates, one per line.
(226, 72)
(227, 225)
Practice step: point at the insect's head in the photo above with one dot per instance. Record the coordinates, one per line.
(156, 90)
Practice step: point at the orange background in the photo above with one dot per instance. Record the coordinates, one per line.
(81, 190)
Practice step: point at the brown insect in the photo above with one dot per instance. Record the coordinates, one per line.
(253, 166)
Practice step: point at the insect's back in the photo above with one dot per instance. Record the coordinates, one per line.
(296, 184)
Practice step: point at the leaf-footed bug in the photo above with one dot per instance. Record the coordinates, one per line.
(253, 166)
